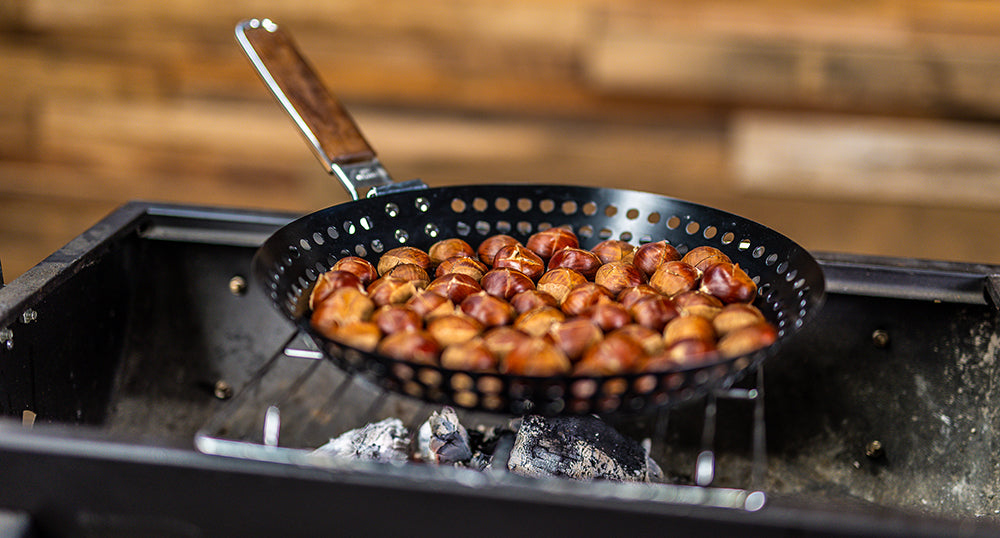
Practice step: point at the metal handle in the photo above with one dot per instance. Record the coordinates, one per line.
(328, 128)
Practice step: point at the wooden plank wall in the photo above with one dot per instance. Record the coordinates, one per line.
(866, 127)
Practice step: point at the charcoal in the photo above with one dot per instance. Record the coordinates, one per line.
(442, 438)
(384, 441)
(582, 448)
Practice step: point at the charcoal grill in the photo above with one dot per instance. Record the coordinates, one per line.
(149, 388)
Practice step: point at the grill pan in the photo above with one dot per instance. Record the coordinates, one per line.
(790, 281)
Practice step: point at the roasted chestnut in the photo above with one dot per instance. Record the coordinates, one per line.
(363, 335)
(453, 329)
(487, 309)
(342, 306)
(547, 242)
(532, 299)
(729, 283)
(538, 321)
(674, 277)
(584, 296)
(400, 255)
(575, 336)
(500, 340)
(735, 316)
(696, 303)
(488, 248)
(649, 257)
(395, 317)
(408, 271)
(454, 286)
(682, 354)
(702, 257)
(470, 356)
(613, 250)
(535, 357)
(608, 315)
(654, 312)
(520, 258)
(504, 282)
(413, 346)
(615, 354)
(629, 296)
(330, 281)
(449, 248)
(388, 290)
(559, 282)
(688, 327)
(617, 276)
(429, 305)
(361, 267)
(461, 264)
(650, 340)
(747, 339)
(582, 261)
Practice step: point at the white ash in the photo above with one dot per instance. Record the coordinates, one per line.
(442, 439)
(384, 441)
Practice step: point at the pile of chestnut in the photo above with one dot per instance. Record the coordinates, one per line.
(543, 308)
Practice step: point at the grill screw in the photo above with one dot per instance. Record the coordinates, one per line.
(222, 390)
(7, 338)
(29, 315)
(237, 285)
(880, 338)
(874, 449)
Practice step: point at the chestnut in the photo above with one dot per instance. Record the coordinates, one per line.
(674, 277)
(519, 258)
(504, 282)
(615, 354)
(747, 339)
(500, 340)
(460, 264)
(734, 316)
(729, 283)
(697, 303)
(649, 257)
(449, 248)
(409, 271)
(682, 354)
(559, 282)
(400, 255)
(538, 321)
(388, 290)
(453, 329)
(342, 306)
(487, 309)
(428, 305)
(396, 317)
(582, 261)
(470, 356)
(454, 286)
(608, 315)
(532, 299)
(688, 327)
(330, 281)
(584, 296)
(613, 250)
(488, 248)
(617, 276)
(629, 296)
(413, 346)
(361, 267)
(547, 242)
(363, 335)
(702, 257)
(654, 312)
(575, 336)
(650, 340)
(535, 356)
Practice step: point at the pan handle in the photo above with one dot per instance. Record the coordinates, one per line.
(328, 128)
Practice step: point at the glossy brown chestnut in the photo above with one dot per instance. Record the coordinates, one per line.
(682, 354)
(654, 312)
(363, 335)
(615, 354)
(608, 315)
(330, 281)
(342, 306)
(696, 303)
(747, 339)
(396, 317)
(532, 299)
(584, 296)
(547, 242)
(504, 282)
(454, 329)
(469, 356)
(538, 321)
(618, 276)
(613, 250)
(649, 257)
(582, 261)
(629, 296)
(559, 282)
(535, 357)
(461, 264)
(520, 258)
(488, 248)
(428, 305)
(674, 277)
(409, 271)
(500, 340)
(702, 257)
(650, 340)
(487, 309)
(449, 248)
(388, 290)
(735, 316)
(728, 283)
(361, 267)
(413, 346)
(575, 336)
(454, 286)
(400, 255)
(688, 327)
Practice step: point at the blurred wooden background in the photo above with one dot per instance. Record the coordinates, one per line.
(867, 127)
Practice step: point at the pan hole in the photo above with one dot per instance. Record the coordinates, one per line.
(344, 253)
(791, 275)
(653, 217)
(524, 227)
(758, 252)
(457, 205)
(377, 245)
(542, 226)
(349, 227)
(402, 236)
(365, 223)
(586, 231)
(569, 207)
(482, 227)
(683, 249)
(605, 233)
(744, 244)
(310, 274)
(462, 228)
(590, 209)
(431, 229)
(330, 260)
(422, 204)
(305, 244)
(799, 283)
(771, 259)
(332, 232)
(673, 222)
(360, 250)
(524, 204)
(710, 232)
(692, 228)
(625, 236)
(782, 267)
(645, 238)
(318, 238)
(610, 211)
(502, 204)
(294, 251)
(480, 204)
(728, 238)
(320, 268)
(547, 206)
(632, 214)
(392, 209)
(503, 226)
